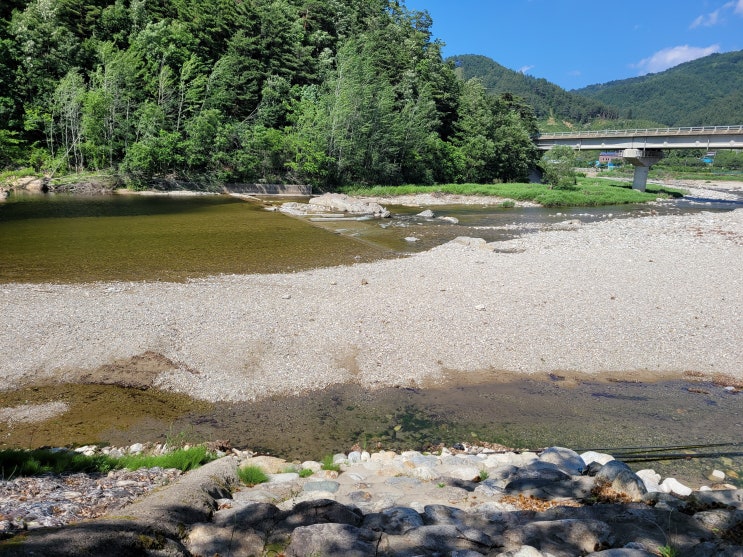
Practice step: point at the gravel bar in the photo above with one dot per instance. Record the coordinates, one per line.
(654, 297)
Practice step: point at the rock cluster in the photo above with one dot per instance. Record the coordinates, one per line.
(332, 204)
(458, 503)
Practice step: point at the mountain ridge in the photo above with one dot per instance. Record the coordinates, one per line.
(705, 91)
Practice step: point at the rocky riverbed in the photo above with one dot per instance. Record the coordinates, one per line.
(463, 501)
(646, 297)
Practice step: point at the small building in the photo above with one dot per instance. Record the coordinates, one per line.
(606, 157)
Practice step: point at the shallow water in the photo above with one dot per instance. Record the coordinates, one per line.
(603, 415)
(64, 238)
(71, 239)
(68, 238)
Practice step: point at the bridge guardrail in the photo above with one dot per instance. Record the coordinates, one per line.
(694, 130)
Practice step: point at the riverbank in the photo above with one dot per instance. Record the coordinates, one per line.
(637, 298)
(461, 501)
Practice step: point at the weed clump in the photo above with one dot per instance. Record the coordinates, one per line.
(252, 475)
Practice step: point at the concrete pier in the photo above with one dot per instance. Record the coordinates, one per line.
(642, 160)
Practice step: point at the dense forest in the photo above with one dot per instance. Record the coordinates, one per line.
(705, 91)
(315, 91)
(547, 99)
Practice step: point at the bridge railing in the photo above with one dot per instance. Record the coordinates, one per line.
(696, 130)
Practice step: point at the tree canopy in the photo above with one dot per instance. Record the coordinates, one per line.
(323, 92)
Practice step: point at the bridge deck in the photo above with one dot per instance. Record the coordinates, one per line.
(700, 137)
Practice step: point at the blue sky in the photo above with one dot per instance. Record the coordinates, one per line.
(574, 43)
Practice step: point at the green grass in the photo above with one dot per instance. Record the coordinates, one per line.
(305, 473)
(18, 462)
(252, 475)
(182, 459)
(590, 192)
(8, 176)
(327, 464)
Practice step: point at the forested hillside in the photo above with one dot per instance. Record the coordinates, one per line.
(315, 91)
(706, 91)
(547, 99)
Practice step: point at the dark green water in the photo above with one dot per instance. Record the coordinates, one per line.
(126, 237)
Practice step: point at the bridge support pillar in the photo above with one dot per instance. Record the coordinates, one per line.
(642, 160)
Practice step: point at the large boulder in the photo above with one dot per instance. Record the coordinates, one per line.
(335, 203)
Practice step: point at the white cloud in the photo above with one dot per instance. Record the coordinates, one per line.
(673, 56)
(525, 69)
(718, 16)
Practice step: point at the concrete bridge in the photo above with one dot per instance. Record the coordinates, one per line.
(642, 148)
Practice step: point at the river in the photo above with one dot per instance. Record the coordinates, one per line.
(130, 238)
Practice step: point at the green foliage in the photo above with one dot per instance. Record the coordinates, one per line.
(590, 192)
(558, 167)
(305, 473)
(327, 464)
(215, 90)
(18, 462)
(182, 459)
(705, 91)
(547, 99)
(252, 475)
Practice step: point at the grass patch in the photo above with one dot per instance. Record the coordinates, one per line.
(10, 175)
(18, 462)
(252, 475)
(590, 192)
(327, 464)
(182, 459)
(305, 473)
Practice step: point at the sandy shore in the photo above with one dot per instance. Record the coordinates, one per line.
(652, 296)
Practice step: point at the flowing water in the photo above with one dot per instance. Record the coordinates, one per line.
(73, 239)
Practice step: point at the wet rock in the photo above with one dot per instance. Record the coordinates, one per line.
(427, 214)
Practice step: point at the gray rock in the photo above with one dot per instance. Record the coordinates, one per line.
(323, 485)
(523, 551)
(403, 482)
(442, 514)
(729, 497)
(629, 484)
(332, 540)
(209, 539)
(451, 220)
(566, 460)
(562, 537)
(441, 539)
(399, 520)
(622, 552)
(611, 470)
(716, 519)
(319, 511)
(255, 516)
(427, 214)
